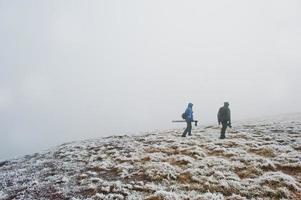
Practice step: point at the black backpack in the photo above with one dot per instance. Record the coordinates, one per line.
(184, 116)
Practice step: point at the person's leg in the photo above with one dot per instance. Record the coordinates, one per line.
(223, 131)
(189, 128)
(186, 130)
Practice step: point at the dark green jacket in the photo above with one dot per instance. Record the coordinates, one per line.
(224, 115)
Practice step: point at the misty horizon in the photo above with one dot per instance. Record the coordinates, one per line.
(78, 70)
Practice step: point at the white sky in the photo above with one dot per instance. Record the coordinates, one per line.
(71, 70)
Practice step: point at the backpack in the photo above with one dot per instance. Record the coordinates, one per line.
(184, 115)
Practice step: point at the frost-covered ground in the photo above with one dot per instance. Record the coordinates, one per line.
(260, 159)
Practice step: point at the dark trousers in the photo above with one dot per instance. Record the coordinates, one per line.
(223, 131)
(188, 129)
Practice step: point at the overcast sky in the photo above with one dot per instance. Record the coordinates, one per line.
(71, 70)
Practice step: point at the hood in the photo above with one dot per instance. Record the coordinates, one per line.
(190, 105)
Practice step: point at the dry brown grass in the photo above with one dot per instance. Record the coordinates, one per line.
(95, 169)
(296, 195)
(175, 151)
(293, 170)
(88, 192)
(190, 152)
(168, 151)
(185, 178)
(146, 159)
(106, 174)
(240, 136)
(111, 174)
(230, 144)
(247, 172)
(180, 163)
(137, 177)
(265, 152)
(297, 148)
(221, 152)
(154, 198)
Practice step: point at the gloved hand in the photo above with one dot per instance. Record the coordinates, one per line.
(230, 125)
(219, 123)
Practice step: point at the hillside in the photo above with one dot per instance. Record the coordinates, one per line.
(259, 159)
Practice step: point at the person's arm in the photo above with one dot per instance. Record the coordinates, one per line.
(230, 119)
(219, 116)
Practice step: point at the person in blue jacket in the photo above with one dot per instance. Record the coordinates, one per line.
(188, 118)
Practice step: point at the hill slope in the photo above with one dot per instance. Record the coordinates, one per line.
(259, 159)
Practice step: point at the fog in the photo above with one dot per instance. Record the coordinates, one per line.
(71, 70)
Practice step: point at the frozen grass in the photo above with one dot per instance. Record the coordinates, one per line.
(259, 159)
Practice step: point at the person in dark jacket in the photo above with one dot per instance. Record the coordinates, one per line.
(188, 119)
(224, 118)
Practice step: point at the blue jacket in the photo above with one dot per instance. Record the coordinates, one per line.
(189, 113)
